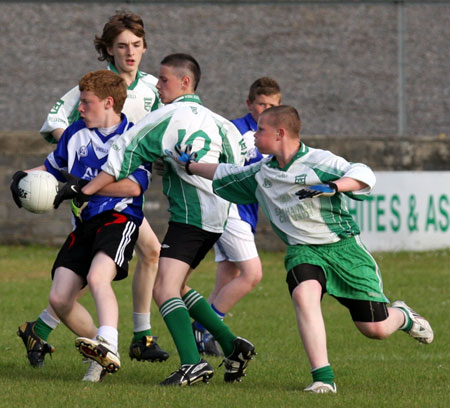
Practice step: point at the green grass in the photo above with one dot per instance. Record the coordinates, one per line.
(398, 372)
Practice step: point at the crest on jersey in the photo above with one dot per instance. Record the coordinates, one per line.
(83, 151)
(147, 104)
(301, 179)
(267, 183)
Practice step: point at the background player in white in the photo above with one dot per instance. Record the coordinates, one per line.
(197, 216)
(324, 250)
(122, 44)
(101, 245)
(239, 267)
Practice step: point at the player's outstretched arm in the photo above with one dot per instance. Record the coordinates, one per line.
(205, 170)
(186, 159)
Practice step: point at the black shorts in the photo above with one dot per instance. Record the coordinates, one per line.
(360, 310)
(187, 243)
(113, 233)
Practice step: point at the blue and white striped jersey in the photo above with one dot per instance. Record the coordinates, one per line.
(247, 212)
(82, 152)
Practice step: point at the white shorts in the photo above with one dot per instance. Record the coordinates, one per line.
(237, 243)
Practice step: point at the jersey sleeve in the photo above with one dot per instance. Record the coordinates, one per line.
(142, 176)
(58, 159)
(140, 144)
(63, 113)
(334, 167)
(236, 184)
(233, 143)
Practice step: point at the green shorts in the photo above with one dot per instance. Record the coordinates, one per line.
(350, 270)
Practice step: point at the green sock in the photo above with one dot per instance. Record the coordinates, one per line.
(408, 322)
(138, 335)
(178, 322)
(202, 312)
(324, 374)
(42, 330)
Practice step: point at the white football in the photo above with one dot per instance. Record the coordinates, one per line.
(37, 191)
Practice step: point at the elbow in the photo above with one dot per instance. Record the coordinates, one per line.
(136, 191)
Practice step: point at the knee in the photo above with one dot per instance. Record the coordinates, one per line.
(251, 271)
(307, 294)
(148, 252)
(58, 303)
(374, 330)
(297, 297)
(253, 278)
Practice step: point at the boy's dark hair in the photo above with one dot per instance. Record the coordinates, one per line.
(284, 116)
(116, 24)
(264, 86)
(186, 62)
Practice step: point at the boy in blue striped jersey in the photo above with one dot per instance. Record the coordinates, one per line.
(122, 44)
(101, 245)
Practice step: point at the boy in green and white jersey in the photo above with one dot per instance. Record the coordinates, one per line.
(122, 44)
(142, 98)
(183, 121)
(197, 215)
(300, 189)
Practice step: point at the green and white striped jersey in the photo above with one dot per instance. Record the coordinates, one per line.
(311, 221)
(184, 121)
(142, 98)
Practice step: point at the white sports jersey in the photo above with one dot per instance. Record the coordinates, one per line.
(184, 121)
(142, 97)
(308, 221)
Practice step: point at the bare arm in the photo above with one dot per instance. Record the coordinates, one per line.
(57, 133)
(98, 183)
(122, 188)
(205, 170)
(41, 167)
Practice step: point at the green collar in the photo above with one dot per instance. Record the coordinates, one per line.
(188, 98)
(139, 75)
(301, 152)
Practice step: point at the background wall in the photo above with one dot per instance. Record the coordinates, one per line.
(365, 68)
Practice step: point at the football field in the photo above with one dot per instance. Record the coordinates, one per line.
(397, 372)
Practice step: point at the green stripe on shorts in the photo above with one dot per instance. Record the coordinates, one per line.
(350, 269)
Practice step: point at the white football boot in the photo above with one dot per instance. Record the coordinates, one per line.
(421, 329)
(94, 373)
(319, 387)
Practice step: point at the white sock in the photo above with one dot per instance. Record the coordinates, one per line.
(405, 324)
(49, 319)
(141, 322)
(111, 335)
